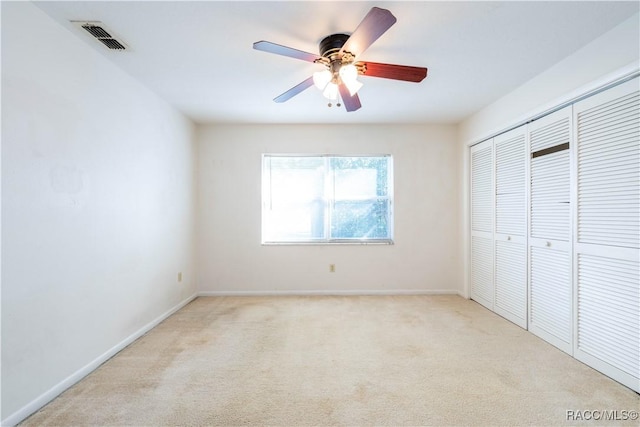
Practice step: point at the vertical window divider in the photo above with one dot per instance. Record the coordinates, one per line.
(329, 195)
(270, 185)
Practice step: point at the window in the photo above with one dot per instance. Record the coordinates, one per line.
(327, 199)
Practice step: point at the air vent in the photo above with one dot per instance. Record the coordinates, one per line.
(97, 30)
(111, 43)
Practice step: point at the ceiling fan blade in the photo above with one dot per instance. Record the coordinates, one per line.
(351, 103)
(294, 90)
(285, 51)
(393, 71)
(370, 29)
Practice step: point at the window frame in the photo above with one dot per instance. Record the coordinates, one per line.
(330, 203)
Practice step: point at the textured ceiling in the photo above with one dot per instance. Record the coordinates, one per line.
(198, 55)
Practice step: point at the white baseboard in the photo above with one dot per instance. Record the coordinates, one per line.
(331, 292)
(63, 385)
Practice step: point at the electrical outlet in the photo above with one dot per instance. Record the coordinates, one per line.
(180, 277)
(332, 268)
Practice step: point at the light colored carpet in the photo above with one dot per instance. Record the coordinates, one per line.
(357, 361)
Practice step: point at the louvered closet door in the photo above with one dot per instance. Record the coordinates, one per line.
(608, 232)
(511, 226)
(550, 289)
(482, 267)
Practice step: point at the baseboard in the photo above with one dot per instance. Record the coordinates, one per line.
(56, 390)
(330, 292)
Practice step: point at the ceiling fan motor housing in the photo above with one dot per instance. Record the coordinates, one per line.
(332, 44)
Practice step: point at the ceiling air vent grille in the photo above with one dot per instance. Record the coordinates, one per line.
(112, 44)
(97, 30)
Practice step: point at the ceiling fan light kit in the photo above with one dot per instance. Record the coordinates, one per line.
(338, 54)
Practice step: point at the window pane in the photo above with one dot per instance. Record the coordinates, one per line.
(360, 219)
(360, 210)
(295, 210)
(361, 176)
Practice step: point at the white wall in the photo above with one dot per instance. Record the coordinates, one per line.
(424, 258)
(619, 47)
(97, 208)
(607, 58)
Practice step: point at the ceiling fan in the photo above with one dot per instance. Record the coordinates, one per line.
(338, 53)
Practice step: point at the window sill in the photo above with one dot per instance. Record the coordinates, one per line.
(332, 243)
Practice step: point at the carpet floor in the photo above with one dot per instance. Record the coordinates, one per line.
(351, 361)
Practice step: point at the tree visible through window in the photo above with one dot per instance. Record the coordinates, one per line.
(327, 199)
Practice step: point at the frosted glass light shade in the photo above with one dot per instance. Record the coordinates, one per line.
(331, 91)
(322, 78)
(348, 73)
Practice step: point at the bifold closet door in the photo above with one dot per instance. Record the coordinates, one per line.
(482, 261)
(607, 248)
(550, 288)
(511, 226)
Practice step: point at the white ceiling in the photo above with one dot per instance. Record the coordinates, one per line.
(198, 55)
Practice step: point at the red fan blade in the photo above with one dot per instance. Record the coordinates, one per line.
(395, 72)
(294, 90)
(370, 29)
(351, 103)
(285, 51)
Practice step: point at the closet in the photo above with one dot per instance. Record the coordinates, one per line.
(482, 283)
(555, 229)
(550, 298)
(511, 227)
(607, 233)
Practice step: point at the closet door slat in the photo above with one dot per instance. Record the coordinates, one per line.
(482, 189)
(482, 223)
(550, 279)
(511, 281)
(607, 240)
(510, 299)
(602, 214)
(482, 270)
(510, 185)
(609, 311)
(551, 308)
